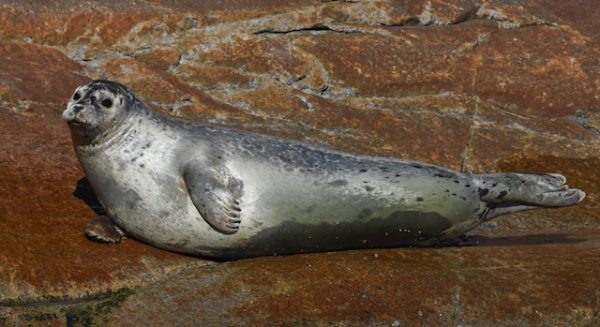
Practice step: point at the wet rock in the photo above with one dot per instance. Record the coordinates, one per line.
(472, 85)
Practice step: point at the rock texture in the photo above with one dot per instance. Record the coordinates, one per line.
(499, 85)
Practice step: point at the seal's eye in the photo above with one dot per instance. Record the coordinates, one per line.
(107, 103)
(76, 96)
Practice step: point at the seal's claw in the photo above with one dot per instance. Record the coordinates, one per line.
(102, 229)
(233, 214)
(559, 179)
(230, 227)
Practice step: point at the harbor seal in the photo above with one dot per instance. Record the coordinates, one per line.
(218, 192)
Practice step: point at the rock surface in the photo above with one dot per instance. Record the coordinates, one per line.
(500, 85)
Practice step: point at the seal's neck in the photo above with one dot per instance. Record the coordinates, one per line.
(89, 141)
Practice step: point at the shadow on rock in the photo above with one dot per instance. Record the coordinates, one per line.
(536, 239)
(84, 191)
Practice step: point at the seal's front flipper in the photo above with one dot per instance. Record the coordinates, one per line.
(102, 229)
(215, 193)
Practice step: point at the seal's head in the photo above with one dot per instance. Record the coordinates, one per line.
(95, 107)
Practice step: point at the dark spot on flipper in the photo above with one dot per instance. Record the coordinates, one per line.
(369, 188)
(419, 199)
(495, 184)
(483, 192)
(363, 170)
(467, 185)
(455, 181)
(417, 166)
(501, 195)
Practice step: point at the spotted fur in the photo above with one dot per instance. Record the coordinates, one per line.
(220, 192)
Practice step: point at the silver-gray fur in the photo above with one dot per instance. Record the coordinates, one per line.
(220, 192)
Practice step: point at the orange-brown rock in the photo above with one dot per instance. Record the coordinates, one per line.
(475, 85)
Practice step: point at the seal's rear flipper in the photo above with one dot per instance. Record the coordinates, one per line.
(512, 192)
(215, 193)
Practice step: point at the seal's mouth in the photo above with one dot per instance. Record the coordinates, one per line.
(76, 123)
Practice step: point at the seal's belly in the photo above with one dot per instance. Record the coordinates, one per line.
(284, 211)
(300, 211)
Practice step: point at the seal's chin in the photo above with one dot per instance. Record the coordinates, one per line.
(80, 133)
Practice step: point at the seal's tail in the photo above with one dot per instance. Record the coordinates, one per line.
(512, 192)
